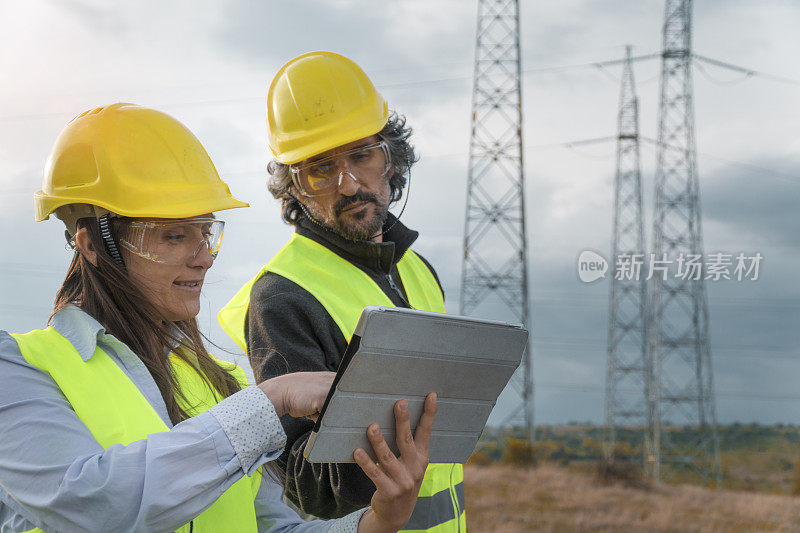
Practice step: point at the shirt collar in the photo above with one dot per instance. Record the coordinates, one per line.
(83, 331)
(375, 256)
(79, 328)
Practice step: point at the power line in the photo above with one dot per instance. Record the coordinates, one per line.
(744, 70)
(597, 140)
(569, 145)
(723, 300)
(777, 304)
(766, 352)
(600, 65)
(599, 389)
(749, 166)
(699, 66)
(527, 147)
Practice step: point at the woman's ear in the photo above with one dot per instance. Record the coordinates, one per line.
(84, 245)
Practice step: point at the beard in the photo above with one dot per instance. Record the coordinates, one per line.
(361, 225)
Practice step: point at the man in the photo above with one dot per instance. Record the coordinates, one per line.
(340, 160)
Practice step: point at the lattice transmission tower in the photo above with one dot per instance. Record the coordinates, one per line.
(628, 370)
(494, 280)
(682, 394)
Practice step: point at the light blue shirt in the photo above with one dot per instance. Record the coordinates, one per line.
(54, 475)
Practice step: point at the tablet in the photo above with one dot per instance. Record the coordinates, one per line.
(404, 353)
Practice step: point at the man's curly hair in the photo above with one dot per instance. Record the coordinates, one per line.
(396, 136)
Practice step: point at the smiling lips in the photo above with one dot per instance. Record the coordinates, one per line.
(190, 285)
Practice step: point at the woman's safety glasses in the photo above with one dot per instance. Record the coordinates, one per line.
(172, 242)
(324, 176)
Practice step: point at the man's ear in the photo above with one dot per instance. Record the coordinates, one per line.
(84, 245)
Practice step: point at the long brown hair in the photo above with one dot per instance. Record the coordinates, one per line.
(109, 295)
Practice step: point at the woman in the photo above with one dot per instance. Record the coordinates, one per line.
(115, 417)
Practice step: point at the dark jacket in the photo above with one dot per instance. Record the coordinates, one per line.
(288, 330)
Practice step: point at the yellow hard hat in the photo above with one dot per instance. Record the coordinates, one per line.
(133, 161)
(318, 101)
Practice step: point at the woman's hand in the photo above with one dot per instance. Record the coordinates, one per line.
(298, 394)
(397, 479)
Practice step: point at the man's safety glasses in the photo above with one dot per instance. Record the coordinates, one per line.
(172, 242)
(324, 176)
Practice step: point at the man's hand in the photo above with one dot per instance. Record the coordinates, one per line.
(397, 479)
(299, 393)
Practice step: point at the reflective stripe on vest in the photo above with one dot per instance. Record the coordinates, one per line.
(116, 412)
(344, 290)
(440, 505)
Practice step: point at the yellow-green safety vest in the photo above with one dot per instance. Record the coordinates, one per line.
(344, 290)
(116, 412)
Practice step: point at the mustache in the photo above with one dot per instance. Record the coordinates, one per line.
(360, 196)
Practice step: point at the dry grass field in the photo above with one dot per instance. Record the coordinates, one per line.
(508, 499)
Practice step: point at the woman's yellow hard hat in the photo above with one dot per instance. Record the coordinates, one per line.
(133, 161)
(318, 101)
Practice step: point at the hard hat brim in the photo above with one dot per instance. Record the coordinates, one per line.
(47, 204)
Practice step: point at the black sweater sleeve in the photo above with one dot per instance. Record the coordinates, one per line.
(288, 330)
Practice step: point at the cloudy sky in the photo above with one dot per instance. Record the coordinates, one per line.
(209, 65)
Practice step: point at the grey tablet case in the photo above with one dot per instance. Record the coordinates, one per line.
(403, 353)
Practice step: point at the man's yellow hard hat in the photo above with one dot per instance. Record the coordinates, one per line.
(133, 161)
(318, 101)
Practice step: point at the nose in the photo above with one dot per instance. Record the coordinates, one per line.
(202, 256)
(348, 184)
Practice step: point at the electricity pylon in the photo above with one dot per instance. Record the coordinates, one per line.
(494, 280)
(683, 390)
(628, 371)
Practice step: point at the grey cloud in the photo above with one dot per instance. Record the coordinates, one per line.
(755, 202)
(257, 35)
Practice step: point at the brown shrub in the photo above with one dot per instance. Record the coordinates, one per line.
(548, 450)
(623, 450)
(796, 487)
(518, 452)
(623, 472)
(479, 458)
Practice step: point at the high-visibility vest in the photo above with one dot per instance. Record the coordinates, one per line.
(344, 290)
(116, 412)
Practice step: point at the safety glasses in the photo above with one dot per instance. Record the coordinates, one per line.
(172, 242)
(324, 176)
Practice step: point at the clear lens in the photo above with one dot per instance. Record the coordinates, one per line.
(323, 176)
(172, 242)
